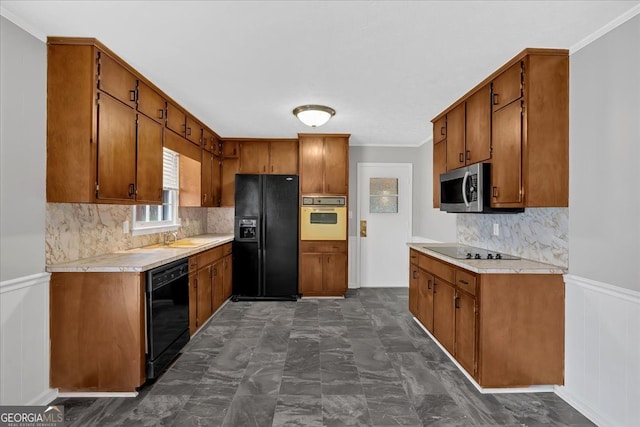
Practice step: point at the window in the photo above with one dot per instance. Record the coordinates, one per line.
(149, 219)
(383, 195)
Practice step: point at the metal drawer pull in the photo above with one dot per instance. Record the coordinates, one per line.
(464, 282)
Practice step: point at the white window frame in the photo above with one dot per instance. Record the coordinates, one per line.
(170, 187)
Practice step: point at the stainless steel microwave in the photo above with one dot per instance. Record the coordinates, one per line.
(468, 190)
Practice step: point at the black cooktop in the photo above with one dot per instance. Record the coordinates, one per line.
(469, 252)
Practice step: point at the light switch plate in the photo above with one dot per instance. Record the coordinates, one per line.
(125, 227)
(496, 229)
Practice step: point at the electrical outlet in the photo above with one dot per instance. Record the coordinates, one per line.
(125, 227)
(496, 229)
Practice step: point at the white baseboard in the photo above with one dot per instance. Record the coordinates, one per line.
(602, 351)
(45, 398)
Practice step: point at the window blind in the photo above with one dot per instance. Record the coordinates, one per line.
(170, 171)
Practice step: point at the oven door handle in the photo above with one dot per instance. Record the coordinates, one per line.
(464, 188)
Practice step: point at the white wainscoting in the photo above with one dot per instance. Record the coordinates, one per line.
(602, 352)
(24, 341)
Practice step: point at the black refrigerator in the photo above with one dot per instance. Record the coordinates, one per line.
(265, 248)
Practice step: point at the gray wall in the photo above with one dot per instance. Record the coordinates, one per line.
(604, 218)
(427, 222)
(23, 75)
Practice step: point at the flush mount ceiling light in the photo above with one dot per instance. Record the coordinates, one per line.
(313, 115)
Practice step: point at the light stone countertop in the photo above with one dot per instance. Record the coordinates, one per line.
(139, 259)
(483, 266)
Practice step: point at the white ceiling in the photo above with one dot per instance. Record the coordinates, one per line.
(386, 67)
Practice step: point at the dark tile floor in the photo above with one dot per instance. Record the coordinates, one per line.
(357, 361)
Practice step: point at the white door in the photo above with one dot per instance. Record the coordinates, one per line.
(384, 209)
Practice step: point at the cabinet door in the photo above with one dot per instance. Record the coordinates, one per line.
(230, 167)
(506, 163)
(311, 268)
(414, 274)
(227, 277)
(217, 284)
(193, 303)
(444, 313)
(150, 103)
(507, 87)
(209, 142)
(466, 331)
(311, 164)
(216, 180)
(230, 149)
(335, 273)
(207, 179)
(176, 119)
(440, 129)
(254, 156)
(116, 80)
(204, 295)
(283, 157)
(425, 300)
(193, 131)
(149, 161)
(116, 150)
(439, 167)
(455, 137)
(478, 126)
(336, 158)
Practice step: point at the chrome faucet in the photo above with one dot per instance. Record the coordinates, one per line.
(167, 239)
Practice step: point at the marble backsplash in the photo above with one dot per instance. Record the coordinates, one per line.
(78, 230)
(220, 220)
(540, 234)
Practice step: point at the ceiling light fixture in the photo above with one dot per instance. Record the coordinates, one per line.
(313, 115)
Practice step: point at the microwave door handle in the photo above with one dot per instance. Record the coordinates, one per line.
(464, 188)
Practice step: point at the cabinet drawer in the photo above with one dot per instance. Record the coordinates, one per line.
(413, 256)
(466, 281)
(436, 268)
(226, 249)
(440, 129)
(207, 257)
(193, 263)
(326, 246)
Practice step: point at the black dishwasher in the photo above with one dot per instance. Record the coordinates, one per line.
(167, 314)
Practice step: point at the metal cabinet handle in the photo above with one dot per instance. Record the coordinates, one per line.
(494, 192)
(161, 113)
(132, 190)
(442, 130)
(461, 158)
(188, 131)
(132, 95)
(456, 301)
(495, 99)
(429, 285)
(468, 155)
(415, 274)
(464, 282)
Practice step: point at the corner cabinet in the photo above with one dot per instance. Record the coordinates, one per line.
(518, 120)
(324, 164)
(505, 330)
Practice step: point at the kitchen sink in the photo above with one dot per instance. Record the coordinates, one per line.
(183, 243)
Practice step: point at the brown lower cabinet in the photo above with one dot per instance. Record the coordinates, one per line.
(209, 284)
(505, 330)
(97, 331)
(323, 268)
(97, 322)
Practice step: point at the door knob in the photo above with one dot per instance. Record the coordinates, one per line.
(363, 228)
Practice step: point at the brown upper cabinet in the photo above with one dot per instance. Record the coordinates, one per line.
(324, 164)
(456, 137)
(106, 128)
(150, 103)
(176, 119)
(269, 156)
(440, 129)
(230, 149)
(507, 87)
(96, 140)
(193, 131)
(116, 80)
(210, 142)
(518, 120)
